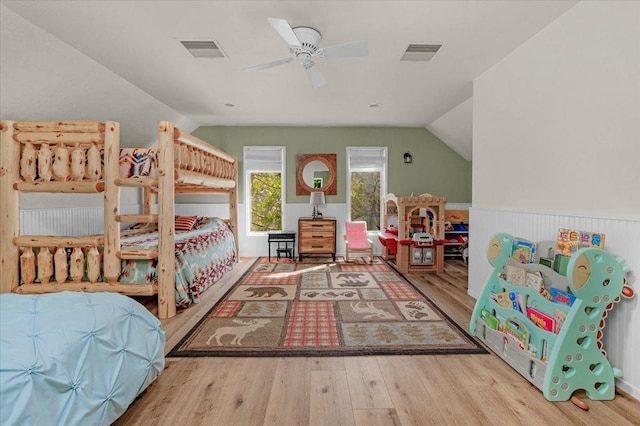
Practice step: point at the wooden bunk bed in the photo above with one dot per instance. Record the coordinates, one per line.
(84, 157)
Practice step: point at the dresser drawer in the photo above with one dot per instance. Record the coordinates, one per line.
(317, 226)
(317, 242)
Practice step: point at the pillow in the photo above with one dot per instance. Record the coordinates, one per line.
(185, 223)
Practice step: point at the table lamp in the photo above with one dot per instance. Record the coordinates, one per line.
(316, 198)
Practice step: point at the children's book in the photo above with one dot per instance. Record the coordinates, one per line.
(524, 251)
(534, 280)
(516, 275)
(490, 319)
(503, 299)
(522, 303)
(560, 317)
(515, 304)
(541, 320)
(560, 296)
(592, 239)
(515, 328)
(570, 240)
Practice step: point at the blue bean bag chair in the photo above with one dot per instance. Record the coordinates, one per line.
(75, 358)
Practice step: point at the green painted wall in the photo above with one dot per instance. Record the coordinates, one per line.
(436, 168)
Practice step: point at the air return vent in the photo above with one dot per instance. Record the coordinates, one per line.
(203, 48)
(420, 52)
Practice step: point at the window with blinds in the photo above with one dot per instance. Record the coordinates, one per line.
(264, 187)
(366, 183)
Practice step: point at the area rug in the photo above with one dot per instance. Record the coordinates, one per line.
(285, 308)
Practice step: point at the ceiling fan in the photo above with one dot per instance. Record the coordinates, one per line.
(303, 43)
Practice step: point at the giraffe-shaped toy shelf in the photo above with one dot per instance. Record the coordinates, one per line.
(573, 359)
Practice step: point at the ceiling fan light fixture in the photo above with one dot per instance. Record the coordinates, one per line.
(304, 44)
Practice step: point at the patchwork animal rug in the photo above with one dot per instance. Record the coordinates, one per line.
(316, 309)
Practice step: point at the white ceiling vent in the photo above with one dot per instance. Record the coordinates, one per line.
(420, 52)
(203, 48)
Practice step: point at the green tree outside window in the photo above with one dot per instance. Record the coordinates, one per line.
(365, 198)
(266, 202)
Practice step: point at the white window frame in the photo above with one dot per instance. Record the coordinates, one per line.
(258, 169)
(383, 175)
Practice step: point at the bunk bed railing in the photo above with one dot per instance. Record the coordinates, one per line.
(53, 157)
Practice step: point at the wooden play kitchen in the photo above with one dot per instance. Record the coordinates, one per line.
(412, 236)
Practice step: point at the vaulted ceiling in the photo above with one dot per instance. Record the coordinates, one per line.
(140, 42)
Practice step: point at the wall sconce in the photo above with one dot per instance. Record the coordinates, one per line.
(408, 158)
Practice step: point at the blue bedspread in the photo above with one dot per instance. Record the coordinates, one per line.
(75, 358)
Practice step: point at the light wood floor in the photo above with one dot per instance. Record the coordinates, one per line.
(368, 390)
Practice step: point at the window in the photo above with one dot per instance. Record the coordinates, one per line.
(366, 183)
(264, 188)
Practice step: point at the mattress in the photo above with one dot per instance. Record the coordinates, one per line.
(75, 358)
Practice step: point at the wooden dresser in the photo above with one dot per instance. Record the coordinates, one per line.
(317, 236)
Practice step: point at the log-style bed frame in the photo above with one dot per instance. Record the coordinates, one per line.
(83, 157)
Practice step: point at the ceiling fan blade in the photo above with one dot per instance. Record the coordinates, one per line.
(269, 65)
(349, 50)
(286, 32)
(314, 76)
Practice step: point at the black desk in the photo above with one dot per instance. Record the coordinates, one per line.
(288, 239)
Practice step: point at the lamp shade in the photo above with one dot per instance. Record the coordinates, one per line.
(316, 197)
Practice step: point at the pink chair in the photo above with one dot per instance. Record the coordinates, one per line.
(357, 240)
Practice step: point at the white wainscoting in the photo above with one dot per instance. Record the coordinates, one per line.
(622, 238)
(80, 221)
(68, 222)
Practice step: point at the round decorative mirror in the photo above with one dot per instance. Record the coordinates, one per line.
(315, 172)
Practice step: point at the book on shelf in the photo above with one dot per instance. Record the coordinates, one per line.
(513, 327)
(559, 316)
(515, 275)
(503, 299)
(561, 296)
(490, 319)
(524, 251)
(541, 320)
(570, 240)
(534, 281)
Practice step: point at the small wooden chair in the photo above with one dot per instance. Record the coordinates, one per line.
(357, 240)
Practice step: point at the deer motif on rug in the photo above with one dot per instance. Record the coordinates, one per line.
(238, 332)
(370, 311)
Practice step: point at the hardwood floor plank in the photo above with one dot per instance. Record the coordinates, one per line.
(438, 373)
(290, 394)
(213, 390)
(376, 417)
(410, 398)
(327, 364)
(366, 385)
(330, 403)
(250, 393)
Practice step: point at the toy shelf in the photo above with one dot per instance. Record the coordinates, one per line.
(573, 359)
(456, 232)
